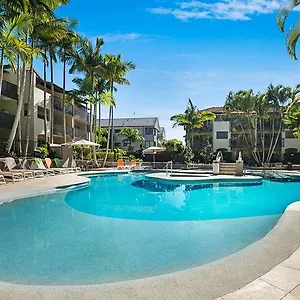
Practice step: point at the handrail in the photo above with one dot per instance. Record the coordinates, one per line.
(167, 167)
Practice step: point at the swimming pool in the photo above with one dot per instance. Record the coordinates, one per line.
(124, 227)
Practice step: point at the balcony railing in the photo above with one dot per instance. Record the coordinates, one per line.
(9, 90)
(59, 130)
(80, 134)
(58, 105)
(80, 114)
(6, 120)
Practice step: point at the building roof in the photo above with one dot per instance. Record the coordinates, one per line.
(215, 109)
(132, 122)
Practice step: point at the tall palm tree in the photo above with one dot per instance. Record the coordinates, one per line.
(294, 32)
(66, 54)
(130, 136)
(191, 119)
(12, 33)
(114, 70)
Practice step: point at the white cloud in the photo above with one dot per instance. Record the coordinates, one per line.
(121, 37)
(241, 10)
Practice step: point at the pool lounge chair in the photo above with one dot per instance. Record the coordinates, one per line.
(2, 180)
(39, 165)
(13, 176)
(11, 166)
(59, 165)
(121, 164)
(49, 165)
(24, 165)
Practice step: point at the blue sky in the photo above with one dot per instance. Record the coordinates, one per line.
(186, 49)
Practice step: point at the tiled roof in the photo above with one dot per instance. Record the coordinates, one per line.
(132, 122)
(214, 109)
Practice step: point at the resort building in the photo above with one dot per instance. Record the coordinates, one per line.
(76, 113)
(149, 129)
(224, 135)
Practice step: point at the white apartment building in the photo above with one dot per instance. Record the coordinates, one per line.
(76, 113)
(149, 129)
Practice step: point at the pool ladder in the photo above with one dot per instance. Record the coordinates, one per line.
(169, 167)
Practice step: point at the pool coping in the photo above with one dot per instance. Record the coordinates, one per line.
(225, 276)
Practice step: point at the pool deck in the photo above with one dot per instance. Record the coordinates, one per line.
(267, 269)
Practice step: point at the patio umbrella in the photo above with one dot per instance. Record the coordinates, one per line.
(153, 150)
(82, 143)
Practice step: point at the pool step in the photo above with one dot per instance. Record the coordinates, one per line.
(178, 174)
(227, 169)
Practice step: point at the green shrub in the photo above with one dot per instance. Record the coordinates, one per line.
(41, 152)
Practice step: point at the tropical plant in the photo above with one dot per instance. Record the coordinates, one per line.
(294, 32)
(130, 136)
(188, 153)
(174, 146)
(192, 119)
(114, 71)
(252, 112)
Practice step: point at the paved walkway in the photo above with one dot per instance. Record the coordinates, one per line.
(282, 282)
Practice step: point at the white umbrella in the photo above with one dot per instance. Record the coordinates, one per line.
(82, 143)
(153, 150)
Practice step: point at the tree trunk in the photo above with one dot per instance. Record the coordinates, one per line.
(94, 137)
(52, 100)
(19, 128)
(29, 102)
(1, 72)
(64, 100)
(276, 139)
(19, 110)
(45, 100)
(108, 136)
(271, 142)
(99, 120)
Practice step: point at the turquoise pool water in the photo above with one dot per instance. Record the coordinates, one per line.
(124, 227)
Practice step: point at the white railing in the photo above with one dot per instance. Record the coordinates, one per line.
(169, 167)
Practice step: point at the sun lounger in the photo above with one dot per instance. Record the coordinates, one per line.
(49, 165)
(121, 164)
(13, 176)
(58, 165)
(2, 180)
(24, 165)
(10, 165)
(38, 164)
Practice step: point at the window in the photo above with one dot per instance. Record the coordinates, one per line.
(289, 135)
(25, 110)
(41, 113)
(149, 131)
(222, 135)
(125, 144)
(117, 130)
(148, 144)
(117, 144)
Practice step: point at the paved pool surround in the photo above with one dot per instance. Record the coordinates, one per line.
(243, 272)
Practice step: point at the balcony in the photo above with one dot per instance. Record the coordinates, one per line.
(6, 120)
(58, 105)
(81, 114)
(80, 134)
(9, 90)
(59, 129)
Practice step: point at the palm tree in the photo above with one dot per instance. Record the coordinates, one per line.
(114, 71)
(65, 52)
(294, 32)
(12, 33)
(191, 119)
(130, 136)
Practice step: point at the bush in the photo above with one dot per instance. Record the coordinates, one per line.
(41, 152)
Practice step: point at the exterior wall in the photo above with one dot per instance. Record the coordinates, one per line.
(292, 143)
(221, 126)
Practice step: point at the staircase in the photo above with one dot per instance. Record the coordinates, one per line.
(227, 168)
